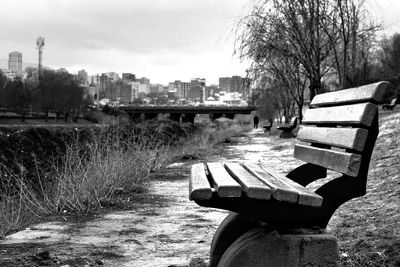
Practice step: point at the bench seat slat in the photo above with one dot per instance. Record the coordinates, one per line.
(306, 196)
(280, 190)
(344, 162)
(357, 114)
(199, 187)
(251, 185)
(376, 92)
(224, 184)
(350, 138)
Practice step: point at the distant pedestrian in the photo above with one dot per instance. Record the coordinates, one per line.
(255, 120)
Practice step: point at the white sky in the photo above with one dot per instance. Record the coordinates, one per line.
(164, 40)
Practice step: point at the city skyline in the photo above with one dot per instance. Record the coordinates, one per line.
(158, 39)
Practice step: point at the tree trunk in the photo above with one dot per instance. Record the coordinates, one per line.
(315, 87)
(300, 111)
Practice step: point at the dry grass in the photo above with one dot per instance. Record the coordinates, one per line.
(89, 176)
(368, 228)
(206, 143)
(92, 174)
(15, 213)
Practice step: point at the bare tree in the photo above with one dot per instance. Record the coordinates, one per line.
(316, 37)
(387, 66)
(278, 29)
(290, 84)
(266, 100)
(389, 56)
(351, 34)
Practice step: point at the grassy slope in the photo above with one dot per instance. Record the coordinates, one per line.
(368, 228)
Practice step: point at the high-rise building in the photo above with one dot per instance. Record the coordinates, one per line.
(235, 84)
(156, 88)
(182, 88)
(83, 77)
(171, 86)
(196, 91)
(113, 76)
(144, 80)
(225, 84)
(15, 62)
(144, 88)
(128, 77)
(125, 93)
(101, 82)
(134, 90)
(185, 87)
(119, 92)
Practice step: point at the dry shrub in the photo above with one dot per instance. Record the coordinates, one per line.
(96, 169)
(204, 144)
(92, 174)
(86, 178)
(14, 211)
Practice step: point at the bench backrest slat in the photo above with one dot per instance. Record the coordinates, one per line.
(252, 186)
(225, 185)
(345, 119)
(357, 114)
(347, 138)
(375, 93)
(343, 162)
(199, 186)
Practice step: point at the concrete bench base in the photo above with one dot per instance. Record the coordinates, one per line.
(260, 247)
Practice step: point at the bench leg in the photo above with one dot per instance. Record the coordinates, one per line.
(260, 247)
(231, 228)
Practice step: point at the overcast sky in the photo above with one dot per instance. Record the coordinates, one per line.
(164, 40)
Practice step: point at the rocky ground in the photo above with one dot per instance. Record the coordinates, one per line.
(164, 228)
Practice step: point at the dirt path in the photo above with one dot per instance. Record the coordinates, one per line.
(162, 228)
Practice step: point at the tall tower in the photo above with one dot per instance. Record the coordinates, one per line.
(39, 46)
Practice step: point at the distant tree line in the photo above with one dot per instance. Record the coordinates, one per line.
(299, 46)
(56, 92)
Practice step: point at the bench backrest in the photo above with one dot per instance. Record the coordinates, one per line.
(340, 129)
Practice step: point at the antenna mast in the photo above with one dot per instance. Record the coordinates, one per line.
(39, 46)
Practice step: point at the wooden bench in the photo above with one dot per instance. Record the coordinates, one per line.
(287, 129)
(391, 105)
(267, 128)
(338, 133)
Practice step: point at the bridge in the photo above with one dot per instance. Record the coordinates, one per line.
(184, 114)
